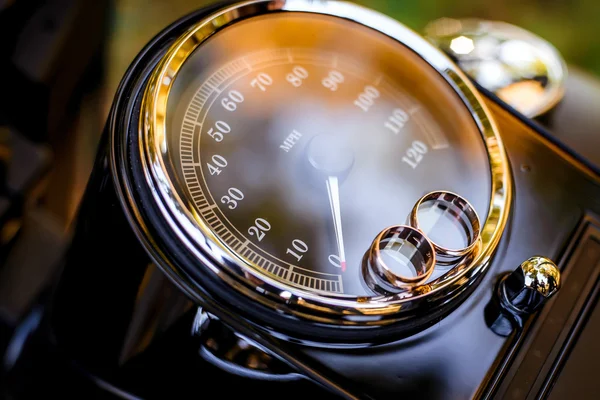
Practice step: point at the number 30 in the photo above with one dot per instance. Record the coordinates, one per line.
(235, 195)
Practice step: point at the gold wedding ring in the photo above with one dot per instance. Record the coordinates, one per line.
(408, 245)
(460, 209)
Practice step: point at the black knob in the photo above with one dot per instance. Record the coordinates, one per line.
(529, 286)
(520, 293)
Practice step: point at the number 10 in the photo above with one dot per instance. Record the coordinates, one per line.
(300, 248)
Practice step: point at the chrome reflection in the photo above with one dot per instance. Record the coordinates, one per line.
(521, 68)
(233, 353)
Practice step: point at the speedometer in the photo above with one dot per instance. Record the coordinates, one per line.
(280, 138)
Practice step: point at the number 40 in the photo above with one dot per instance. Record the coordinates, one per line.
(218, 162)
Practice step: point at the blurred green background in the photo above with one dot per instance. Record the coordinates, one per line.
(573, 26)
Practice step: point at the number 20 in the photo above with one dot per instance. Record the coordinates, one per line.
(259, 229)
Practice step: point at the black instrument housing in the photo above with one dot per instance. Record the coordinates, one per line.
(108, 277)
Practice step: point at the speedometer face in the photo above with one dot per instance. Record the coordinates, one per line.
(297, 138)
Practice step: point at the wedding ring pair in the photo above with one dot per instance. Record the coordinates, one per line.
(423, 254)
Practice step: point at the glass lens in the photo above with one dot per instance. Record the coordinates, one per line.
(297, 138)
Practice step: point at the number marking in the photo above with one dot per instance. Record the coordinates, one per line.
(367, 98)
(299, 249)
(415, 153)
(297, 76)
(234, 195)
(217, 161)
(231, 101)
(259, 229)
(262, 81)
(333, 80)
(397, 120)
(335, 260)
(222, 128)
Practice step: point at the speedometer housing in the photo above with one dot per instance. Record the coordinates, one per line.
(213, 271)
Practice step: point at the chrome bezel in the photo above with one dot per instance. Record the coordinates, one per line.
(224, 264)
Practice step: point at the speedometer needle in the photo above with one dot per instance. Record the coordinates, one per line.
(333, 190)
(331, 159)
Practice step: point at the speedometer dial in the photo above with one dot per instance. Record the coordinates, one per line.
(284, 145)
(297, 147)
